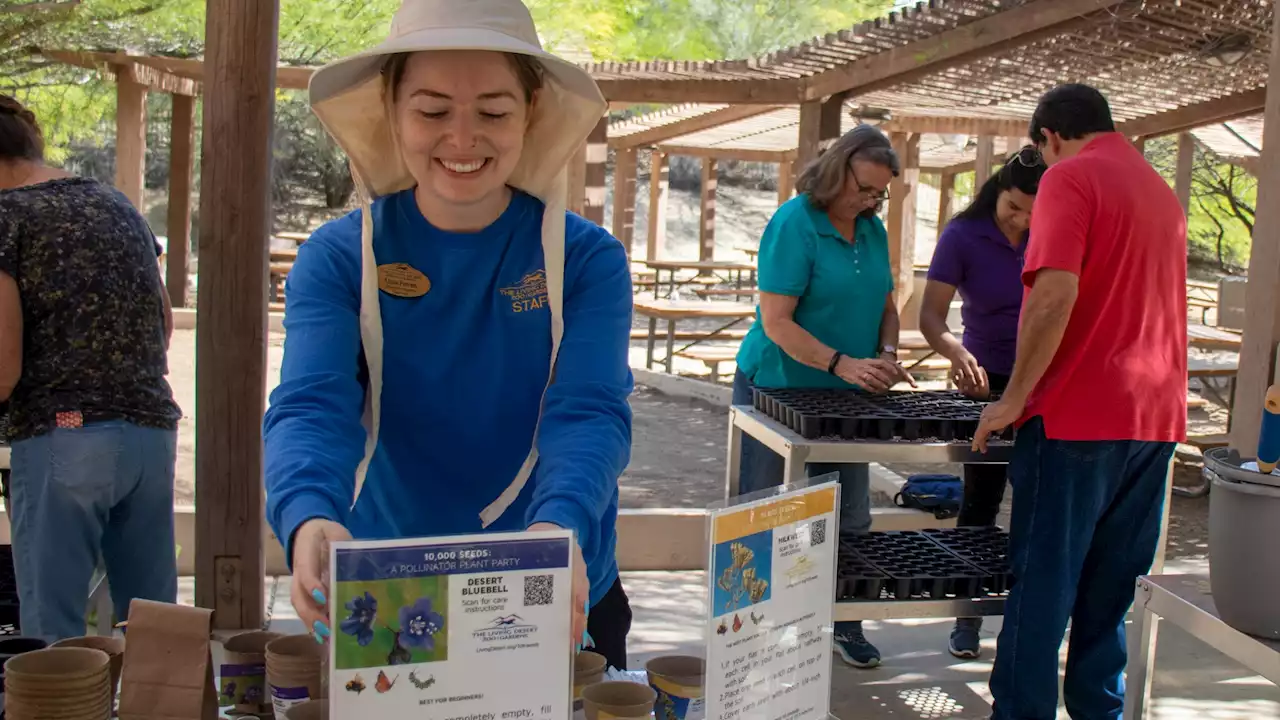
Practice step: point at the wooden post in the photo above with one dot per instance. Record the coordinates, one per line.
(810, 139)
(786, 180)
(707, 211)
(830, 118)
(1141, 144)
(946, 194)
(578, 180)
(597, 154)
(1182, 176)
(1262, 296)
(231, 326)
(659, 181)
(901, 222)
(1012, 144)
(624, 197)
(181, 152)
(984, 160)
(131, 137)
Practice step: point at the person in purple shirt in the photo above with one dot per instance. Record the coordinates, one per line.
(980, 254)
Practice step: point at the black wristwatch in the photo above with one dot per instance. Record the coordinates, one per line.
(835, 360)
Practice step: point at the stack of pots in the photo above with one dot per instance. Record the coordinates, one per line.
(295, 672)
(112, 646)
(67, 683)
(12, 647)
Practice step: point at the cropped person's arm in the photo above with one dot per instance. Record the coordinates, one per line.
(777, 312)
(584, 440)
(10, 335)
(312, 434)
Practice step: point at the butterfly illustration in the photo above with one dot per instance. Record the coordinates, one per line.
(755, 619)
(421, 684)
(737, 622)
(356, 685)
(229, 690)
(383, 684)
(722, 629)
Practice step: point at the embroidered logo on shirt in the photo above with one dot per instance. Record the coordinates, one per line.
(528, 294)
(402, 280)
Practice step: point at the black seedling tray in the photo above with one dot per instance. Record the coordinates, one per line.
(946, 416)
(856, 578)
(917, 567)
(986, 548)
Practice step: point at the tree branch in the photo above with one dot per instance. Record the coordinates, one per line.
(34, 7)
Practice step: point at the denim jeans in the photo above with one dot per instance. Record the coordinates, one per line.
(105, 489)
(762, 468)
(1086, 521)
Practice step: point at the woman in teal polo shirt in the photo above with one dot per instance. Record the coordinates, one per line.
(827, 318)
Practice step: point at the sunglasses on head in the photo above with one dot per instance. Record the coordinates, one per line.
(1028, 157)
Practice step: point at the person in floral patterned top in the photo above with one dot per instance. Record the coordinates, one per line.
(84, 333)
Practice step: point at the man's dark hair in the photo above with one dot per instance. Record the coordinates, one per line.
(1072, 111)
(20, 137)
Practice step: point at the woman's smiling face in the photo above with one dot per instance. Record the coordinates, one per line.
(461, 117)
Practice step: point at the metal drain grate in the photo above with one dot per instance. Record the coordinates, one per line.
(931, 703)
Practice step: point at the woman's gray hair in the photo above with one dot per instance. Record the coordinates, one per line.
(824, 178)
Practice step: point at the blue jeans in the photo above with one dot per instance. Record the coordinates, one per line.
(1086, 521)
(105, 488)
(762, 468)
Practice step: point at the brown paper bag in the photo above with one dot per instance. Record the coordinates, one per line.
(168, 674)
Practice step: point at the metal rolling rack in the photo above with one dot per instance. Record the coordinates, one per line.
(798, 450)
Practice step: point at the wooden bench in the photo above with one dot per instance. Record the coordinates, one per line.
(684, 335)
(711, 356)
(1204, 306)
(714, 292)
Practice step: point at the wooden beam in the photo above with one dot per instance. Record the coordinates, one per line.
(786, 181)
(707, 211)
(659, 186)
(624, 197)
(1003, 31)
(983, 161)
(901, 218)
(728, 153)
(181, 165)
(1141, 145)
(753, 92)
(1262, 294)
(131, 138)
(960, 167)
(946, 195)
(597, 155)
(954, 125)
(691, 125)
(577, 170)
(231, 324)
(1190, 117)
(1182, 175)
(146, 75)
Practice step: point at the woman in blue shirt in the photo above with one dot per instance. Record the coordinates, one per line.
(980, 254)
(416, 395)
(827, 317)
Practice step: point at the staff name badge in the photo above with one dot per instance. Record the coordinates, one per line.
(402, 280)
(449, 627)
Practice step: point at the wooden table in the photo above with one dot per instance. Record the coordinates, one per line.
(1211, 338)
(732, 272)
(674, 311)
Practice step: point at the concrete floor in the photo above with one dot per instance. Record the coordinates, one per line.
(919, 680)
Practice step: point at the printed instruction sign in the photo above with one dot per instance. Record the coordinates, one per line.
(471, 627)
(772, 588)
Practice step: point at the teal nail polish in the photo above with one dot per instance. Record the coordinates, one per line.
(318, 596)
(319, 640)
(321, 629)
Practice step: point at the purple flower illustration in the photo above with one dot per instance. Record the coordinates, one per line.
(419, 624)
(364, 610)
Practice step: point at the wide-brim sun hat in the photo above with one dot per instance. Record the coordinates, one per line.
(347, 96)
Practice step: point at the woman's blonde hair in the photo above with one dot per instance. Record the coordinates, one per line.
(823, 180)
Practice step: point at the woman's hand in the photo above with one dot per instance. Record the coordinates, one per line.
(970, 377)
(581, 595)
(310, 589)
(876, 375)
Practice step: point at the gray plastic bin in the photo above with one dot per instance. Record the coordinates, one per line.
(1244, 544)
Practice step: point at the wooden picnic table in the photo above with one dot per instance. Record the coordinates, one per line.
(750, 252)
(1212, 338)
(732, 272)
(674, 311)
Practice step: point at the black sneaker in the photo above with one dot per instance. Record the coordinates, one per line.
(853, 646)
(965, 642)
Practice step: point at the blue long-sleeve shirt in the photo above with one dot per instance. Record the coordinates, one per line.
(464, 368)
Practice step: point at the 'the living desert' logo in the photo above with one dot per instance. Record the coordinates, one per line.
(507, 627)
(530, 293)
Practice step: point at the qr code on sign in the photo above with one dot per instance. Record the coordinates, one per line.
(817, 532)
(538, 590)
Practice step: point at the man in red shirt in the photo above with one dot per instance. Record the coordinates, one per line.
(1098, 393)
